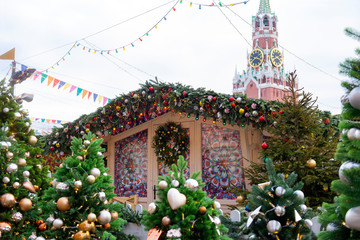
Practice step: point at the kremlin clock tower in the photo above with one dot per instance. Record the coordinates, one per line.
(265, 77)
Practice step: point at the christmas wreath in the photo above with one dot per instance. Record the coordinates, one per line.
(170, 141)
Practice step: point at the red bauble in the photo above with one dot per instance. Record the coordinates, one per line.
(231, 99)
(184, 94)
(214, 99)
(281, 112)
(170, 89)
(261, 119)
(233, 104)
(327, 121)
(264, 145)
(151, 89)
(165, 103)
(132, 94)
(52, 148)
(164, 96)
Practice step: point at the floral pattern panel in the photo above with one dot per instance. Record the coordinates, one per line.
(131, 165)
(163, 171)
(221, 161)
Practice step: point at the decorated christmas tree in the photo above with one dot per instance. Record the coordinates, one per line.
(19, 125)
(78, 205)
(17, 193)
(183, 210)
(303, 141)
(279, 210)
(341, 219)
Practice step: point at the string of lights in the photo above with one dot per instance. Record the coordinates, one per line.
(219, 4)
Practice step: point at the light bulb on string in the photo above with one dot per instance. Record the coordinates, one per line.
(191, 4)
(140, 39)
(116, 51)
(124, 48)
(199, 7)
(132, 45)
(165, 18)
(155, 27)
(101, 53)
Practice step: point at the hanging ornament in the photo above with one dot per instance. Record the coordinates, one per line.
(21, 162)
(308, 223)
(151, 208)
(114, 215)
(252, 216)
(191, 184)
(346, 166)
(263, 185)
(102, 196)
(5, 110)
(42, 227)
(264, 145)
(16, 185)
(175, 183)
(91, 217)
(25, 204)
(273, 226)
(217, 205)
(95, 172)
(86, 143)
(17, 115)
(32, 140)
(57, 223)
(299, 194)
(280, 191)
(7, 200)
(231, 99)
(63, 204)
(78, 184)
(62, 186)
(279, 211)
(163, 184)
(5, 227)
(26, 174)
(174, 234)
(16, 217)
(331, 227)
(303, 209)
(165, 221)
(240, 199)
(176, 199)
(202, 210)
(352, 218)
(297, 216)
(151, 89)
(87, 226)
(6, 180)
(9, 155)
(91, 179)
(311, 163)
(29, 186)
(12, 168)
(354, 98)
(82, 235)
(104, 217)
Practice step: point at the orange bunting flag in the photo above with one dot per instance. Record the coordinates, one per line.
(50, 79)
(9, 55)
(84, 93)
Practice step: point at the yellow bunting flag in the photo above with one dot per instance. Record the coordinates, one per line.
(67, 85)
(100, 98)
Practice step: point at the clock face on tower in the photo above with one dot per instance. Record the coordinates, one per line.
(276, 57)
(256, 58)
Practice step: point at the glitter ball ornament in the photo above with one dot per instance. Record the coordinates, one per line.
(16, 217)
(102, 196)
(12, 168)
(273, 226)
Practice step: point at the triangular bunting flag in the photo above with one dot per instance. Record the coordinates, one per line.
(43, 120)
(105, 100)
(50, 79)
(23, 67)
(89, 95)
(109, 100)
(61, 84)
(36, 75)
(9, 55)
(100, 98)
(66, 86)
(79, 90)
(56, 81)
(48, 120)
(53, 121)
(37, 119)
(32, 119)
(84, 93)
(95, 96)
(73, 88)
(43, 77)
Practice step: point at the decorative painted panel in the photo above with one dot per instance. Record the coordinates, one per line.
(131, 160)
(221, 161)
(165, 170)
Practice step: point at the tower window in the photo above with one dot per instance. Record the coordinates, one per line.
(266, 21)
(257, 22)
(274, 25)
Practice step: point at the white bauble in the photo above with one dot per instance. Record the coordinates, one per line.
(351, 133)
(279, 211)
(26, 174)
(192, 184)
(12, 168)
(57, 223)
(280, 191)
(99, 154)
(78, 184)
(357, 134)
(104, 217)
(86, 142)
(354, 98)
(16, 185)
(95, 172)
(217, 205)
(308, 223)
(9, 155)
(163, 184)
(3, 145)
(273, 226)
(175, 183)
(17, 114)
(217, 221)
(299, 194)
(6, 180)
(91, 179)
(151, 208)
(21, 162)
(345, 166)
(102, 196)
(5, 110)
(352, 218)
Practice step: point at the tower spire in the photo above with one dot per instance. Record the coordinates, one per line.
(264, 7)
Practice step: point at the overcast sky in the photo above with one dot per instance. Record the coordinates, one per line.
(197, 47)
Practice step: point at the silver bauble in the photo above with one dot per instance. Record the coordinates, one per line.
(17, 114)
(345, 166)
(299, 194)
(151, 208)
(57, 223)
(5, 110)
(331, 227)
(26, 174)
(12, 168)
(99, 154)
(175, 183)
(16, 185)
(357, 134)
(16, 217)
(279, 211)
(95, 172)
(9, 155)
(91, 179)
(308, 223)
(303, 209)
(192, 184)
(351, 133)
(78, 184)
(354, 98)
(352, 218)
(86, 142)
(6, 180)
(163, 184)
(280, 191)
(104, 217)
(102, 196)
(273, 226)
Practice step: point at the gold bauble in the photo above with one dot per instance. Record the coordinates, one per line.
(311, 163)
(21, 162)
(106, 225)
(202, 210)
(87, 226)
(7, 200)
(114, 215)
(240, 199)
(36, 187)
(82, 235)
(29, 186)
(25, 204)
(5, 226)
(91, 217)
(32, 140)
(63, 204)
(42, 227)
